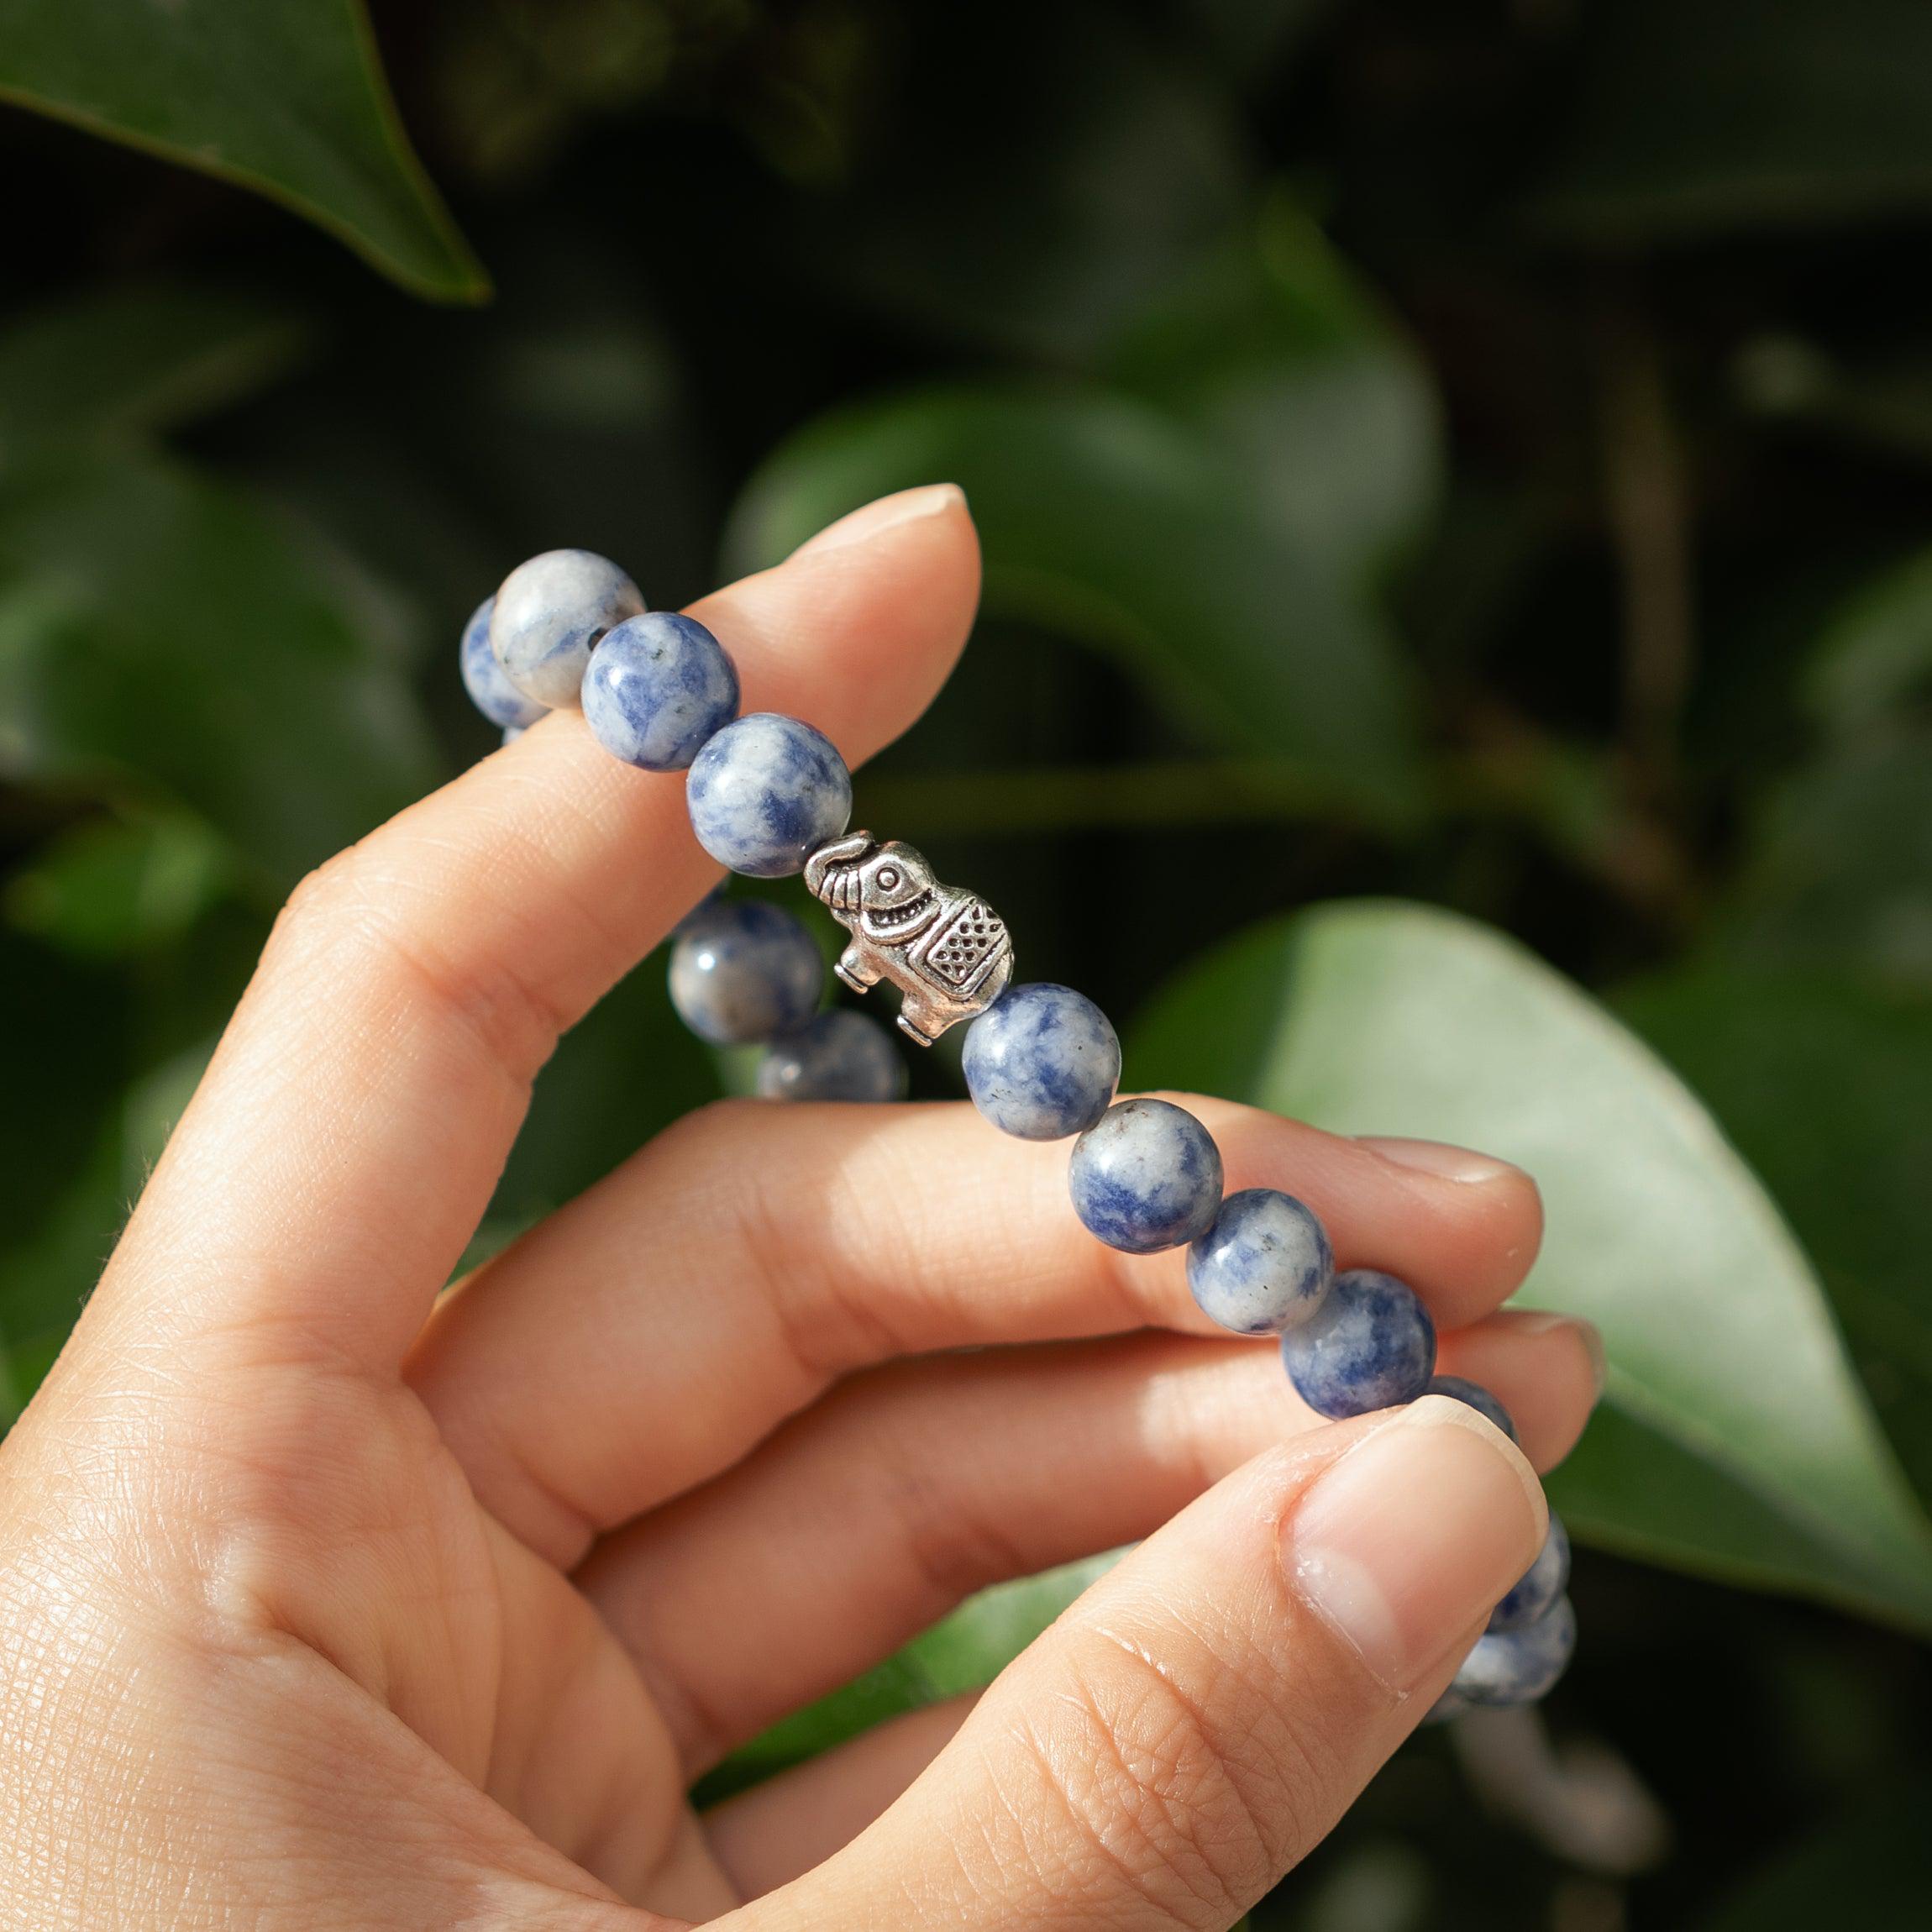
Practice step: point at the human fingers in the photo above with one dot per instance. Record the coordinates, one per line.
(770, 1835)
(872, 1514)
(346, 1138)
(644, 1337)
(1201, 1717)
(1550, 1401)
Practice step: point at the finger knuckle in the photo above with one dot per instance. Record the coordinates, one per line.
(350, 922)
(1167, 1790)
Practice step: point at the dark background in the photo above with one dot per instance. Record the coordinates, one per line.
(1582, 355)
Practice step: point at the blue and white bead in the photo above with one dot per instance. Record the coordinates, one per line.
(765, 791)
(744, 971)
(658, 685)
(1518, 1666)
(1534, 1594)
(1459, 1388)
(1043, 1063)
(490, 691)
(1371, 1344)
(1264, 1266)
(1147, 1176)
(550, 613)
(840, 1056)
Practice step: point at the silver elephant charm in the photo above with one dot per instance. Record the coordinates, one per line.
(948, 951)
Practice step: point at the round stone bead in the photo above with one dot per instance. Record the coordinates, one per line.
(1370, 1345)
(765, 791)
(1539, 1588)
(1043, 1063)
(1519, 1667)
(490, 691)
(1478, 1397)
(1264, 1266)
(658, 685)
(743, 971)
(1146, 1176)
(550, 613)
(841, 1056)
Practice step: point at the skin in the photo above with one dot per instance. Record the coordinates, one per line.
(329, 1600)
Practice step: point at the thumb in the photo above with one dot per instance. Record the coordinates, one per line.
(1202, 1716)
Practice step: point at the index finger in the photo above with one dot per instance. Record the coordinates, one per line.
(345, 1140)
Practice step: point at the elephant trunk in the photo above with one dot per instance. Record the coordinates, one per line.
(832, 872)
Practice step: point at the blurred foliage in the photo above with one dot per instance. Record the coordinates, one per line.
(1468, 461)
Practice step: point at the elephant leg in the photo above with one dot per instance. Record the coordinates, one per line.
(859, 967)
(920, 1019)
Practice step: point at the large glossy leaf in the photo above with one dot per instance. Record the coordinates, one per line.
(1696, 117)
(1825, 1084)
(1734, 1440)
(160, 634)
(1108, 519)
(135, 361)
(286, 97)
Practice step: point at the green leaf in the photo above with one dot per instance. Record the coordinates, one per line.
(1289, 363)
(1825, 1085)
(1703, 116)
(159, 635)
(110, 888)
(1735, 1441)
(1107, 519)
(1876, 1861)
(285, 97)
(134, 361)
(1874, 661)
(1838, 871)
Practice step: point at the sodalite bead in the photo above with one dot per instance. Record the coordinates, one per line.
(1370, 1345)
(1043, 1063)
(1540, 1585)
(490, 691)
(841, 1056)
(1264, 1266)
(765, 791)
(658, 685)
(1477, 1396)
(1519, 1667)
(550, 613)
(1146, 1177)
(743, 971)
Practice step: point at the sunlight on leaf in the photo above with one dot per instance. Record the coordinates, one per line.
(1735, 1441)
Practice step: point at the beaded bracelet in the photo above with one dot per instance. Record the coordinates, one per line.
(770, 796)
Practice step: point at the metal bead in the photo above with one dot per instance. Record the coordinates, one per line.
(947, 951)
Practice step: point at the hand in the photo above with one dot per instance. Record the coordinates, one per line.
(324, 1602)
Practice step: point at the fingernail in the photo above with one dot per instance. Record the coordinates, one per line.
(1439, 1158)
(872, 520)
(1404, 1544)
(1548, 1321)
